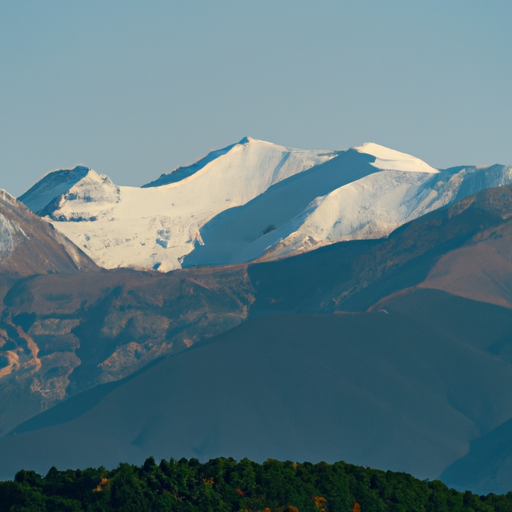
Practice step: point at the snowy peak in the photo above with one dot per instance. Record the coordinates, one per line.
(77, 194)
(250, 200)
(390, 160)
(183, 172)
(91, 197)
(50, 186)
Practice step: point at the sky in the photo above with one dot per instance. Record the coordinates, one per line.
(134, 89)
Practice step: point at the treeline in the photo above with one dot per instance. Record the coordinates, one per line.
(226, 485)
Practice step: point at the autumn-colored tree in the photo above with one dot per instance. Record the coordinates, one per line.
(320, 502)
(288, 508)
(356, 507)
(103, 483)
(208, 481)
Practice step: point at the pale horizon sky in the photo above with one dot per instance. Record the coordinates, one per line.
(136, 89)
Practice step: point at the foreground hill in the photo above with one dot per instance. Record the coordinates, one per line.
(224, 484)
(251, 200)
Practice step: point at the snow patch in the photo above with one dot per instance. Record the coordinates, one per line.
(390, 160)
(7, 238)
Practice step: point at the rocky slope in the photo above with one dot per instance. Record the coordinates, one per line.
(31, 246)
(63, 334)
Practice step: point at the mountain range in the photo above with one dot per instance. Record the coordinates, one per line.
(262, 302)
(249, 201)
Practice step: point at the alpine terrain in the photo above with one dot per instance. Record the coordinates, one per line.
(252, 200)
(262, 302)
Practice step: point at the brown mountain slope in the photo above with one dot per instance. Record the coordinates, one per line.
(354, 275)
(480, 270)
(63, 334)
(28, 245)
(404, 390)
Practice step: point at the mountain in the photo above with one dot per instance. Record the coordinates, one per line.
(405, 389)
(29, 245)
(89, 329)
(249, 201)
(347, 352)
(155, 227)
(392, 352)
(97, 328)
(61, 334)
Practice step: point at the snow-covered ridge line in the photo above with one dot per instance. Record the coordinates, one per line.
(5, 196)
(180, 173)
(390, 160)
(249, 200)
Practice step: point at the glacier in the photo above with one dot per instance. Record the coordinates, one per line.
(249, 201)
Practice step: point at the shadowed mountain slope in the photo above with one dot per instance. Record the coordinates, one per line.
(29, 245)
(405, 390)
(355, 275)
(487, 467)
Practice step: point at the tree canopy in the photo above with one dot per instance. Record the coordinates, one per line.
(224, 484)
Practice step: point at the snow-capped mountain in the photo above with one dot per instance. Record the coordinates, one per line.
(248, 201)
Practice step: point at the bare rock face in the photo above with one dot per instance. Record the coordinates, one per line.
(63, 334)
(29, 245)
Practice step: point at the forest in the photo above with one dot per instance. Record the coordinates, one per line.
(223, 484)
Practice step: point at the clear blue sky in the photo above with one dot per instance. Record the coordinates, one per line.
(133, 89)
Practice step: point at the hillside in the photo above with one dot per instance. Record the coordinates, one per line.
(406, 389)
(225, 484)
(29, 245)
(63, 334)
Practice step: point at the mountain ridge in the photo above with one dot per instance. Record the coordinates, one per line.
(193, 215)
(29, 245)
